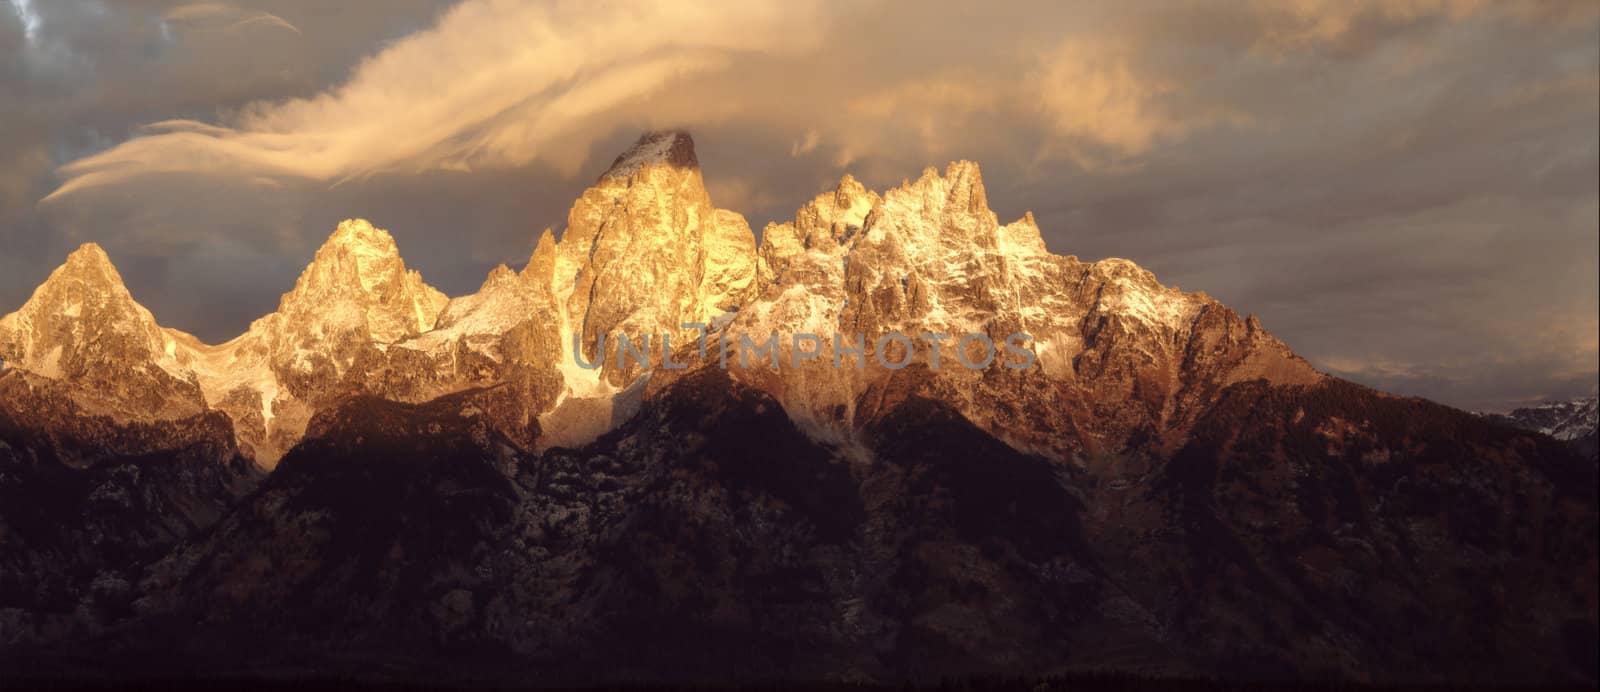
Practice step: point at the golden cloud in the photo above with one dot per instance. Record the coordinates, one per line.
(495, 82)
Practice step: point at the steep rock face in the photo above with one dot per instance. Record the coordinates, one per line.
(504, 338)
(81, 325)
(645, 251)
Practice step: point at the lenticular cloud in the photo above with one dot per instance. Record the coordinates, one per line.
(493, 83)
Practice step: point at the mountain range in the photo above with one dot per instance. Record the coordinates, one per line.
(377, 479)
(1576, 422)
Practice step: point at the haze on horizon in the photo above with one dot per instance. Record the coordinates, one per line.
(1404, 192)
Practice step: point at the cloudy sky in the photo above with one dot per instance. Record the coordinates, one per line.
(1405, 192)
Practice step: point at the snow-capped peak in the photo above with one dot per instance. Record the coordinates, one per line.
(1563, 420)
(672, 147)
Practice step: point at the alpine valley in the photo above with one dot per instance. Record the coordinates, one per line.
(377, 479)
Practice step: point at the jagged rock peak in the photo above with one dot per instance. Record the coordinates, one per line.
(82, 326)
(361, 235)
(372, 248)
(961, 185)
(645, 250)
(848, 190)
(361, 262)
(89, 259)
(500, 274)
(669, 147)
(88, 270)
(826, 223)
(966, 186)
(542, 265)
(1022, 238)
(86, 283)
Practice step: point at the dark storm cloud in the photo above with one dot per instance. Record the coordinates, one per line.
(1403, 191)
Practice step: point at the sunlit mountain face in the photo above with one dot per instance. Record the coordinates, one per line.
(886, 436)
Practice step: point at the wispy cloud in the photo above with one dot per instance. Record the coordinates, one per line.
(495, 82)
(502, 83)
(216, 16)
(27, 16)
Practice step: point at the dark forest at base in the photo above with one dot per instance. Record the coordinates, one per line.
(1086, 683)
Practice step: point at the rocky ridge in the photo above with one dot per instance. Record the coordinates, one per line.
(645, 251)
(1576, 422)
(931, 258)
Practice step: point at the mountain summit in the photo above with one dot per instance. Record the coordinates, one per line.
(357, 276)
(646, 251)
(674, 148)
(82, 326)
